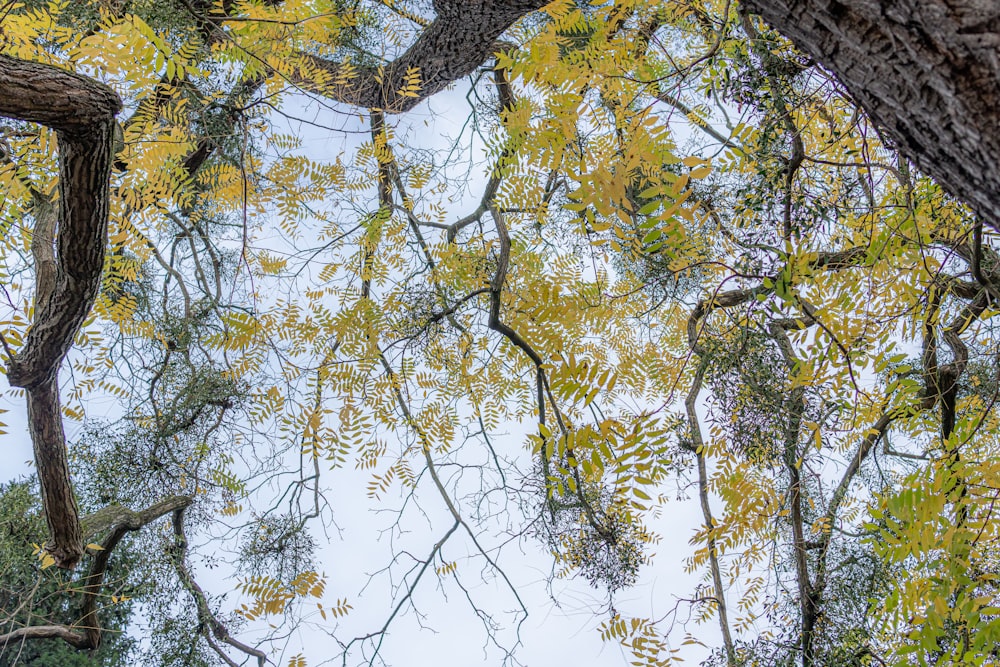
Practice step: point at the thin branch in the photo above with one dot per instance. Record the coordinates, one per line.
(697, 446)
(205, 614)
(697, 120)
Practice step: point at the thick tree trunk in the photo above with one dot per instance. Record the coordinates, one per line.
(927, 72)
(68, 266)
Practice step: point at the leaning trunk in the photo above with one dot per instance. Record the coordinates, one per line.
(68, 267)
(926, 71)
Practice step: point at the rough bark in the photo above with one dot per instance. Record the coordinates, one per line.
(927, 72)
(117, 521)
(459, 40)
(82, 112)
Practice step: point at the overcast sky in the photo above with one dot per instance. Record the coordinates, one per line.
(443, 630)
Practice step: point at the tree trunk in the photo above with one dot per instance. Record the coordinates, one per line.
(68, 267)
(926, 71)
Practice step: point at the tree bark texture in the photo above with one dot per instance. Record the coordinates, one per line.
(118, 521)
(69, 266)
(460, 39)
(926, 71)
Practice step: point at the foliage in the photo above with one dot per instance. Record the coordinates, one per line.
(689, 258)
(28, 592)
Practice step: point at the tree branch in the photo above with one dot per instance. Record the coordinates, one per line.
(82, 112)
(209, 622)
(925, 70)
(454, 45)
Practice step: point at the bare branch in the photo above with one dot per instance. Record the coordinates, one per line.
(209, 621)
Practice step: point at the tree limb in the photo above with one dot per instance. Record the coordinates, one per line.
(208, 620)
(925, 70)
(457, 42)
(82, 113)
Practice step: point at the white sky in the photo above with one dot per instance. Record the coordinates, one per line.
(446, 632)
(557, 632)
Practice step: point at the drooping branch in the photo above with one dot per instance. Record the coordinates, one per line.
(82, 112)
(459, 40)
(427, 449)
(697, 446)
(211, 627)
(809, 596)
(925, 70)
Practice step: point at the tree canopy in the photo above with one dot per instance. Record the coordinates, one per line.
(664, 262)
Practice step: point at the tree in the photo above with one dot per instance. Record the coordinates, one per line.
(782, 315)
(924, 71)
(22, 525)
